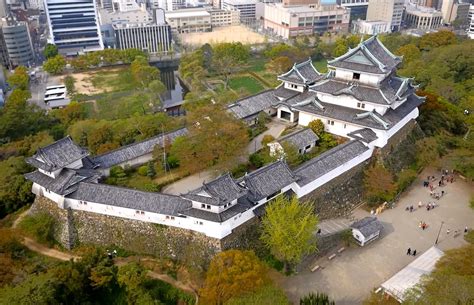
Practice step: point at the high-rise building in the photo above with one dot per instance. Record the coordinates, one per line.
(73, 26)
(17, 42)
(247, 9)
(151, 38)
(422, 17)
(454, 9)
(358, 8)
(386, 10)
(470, 30)
(3, 8)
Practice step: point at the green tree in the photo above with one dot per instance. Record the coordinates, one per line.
(379, 184)
(440, 38)
(142, 72)
(267, 139)
(41, 226)
(71, 113)
(288, 229)
(317, 126)
(290, 154)
(228, 58)
(410, 52)
(151, 172)
(215, 139)
(69, 82)
(36, 289)
(50, 51)
(231, 274)
(279, 64)
(55, 65)
(316, 299)
(266, 295)
(19, 79)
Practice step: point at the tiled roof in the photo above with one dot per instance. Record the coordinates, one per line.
(328, 161)
(130, 198)
(360, 117)
(253, 105)
(65, 183)
(282, 93)
(300, 138)
(135, 150)
(302, 73)
(367, 226)
(57, 155)
(384, 95)
(369, 56)
(366, 135)
(267, 180)
(224, 188)
(217, 217)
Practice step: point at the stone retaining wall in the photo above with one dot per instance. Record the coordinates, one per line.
(80, 227)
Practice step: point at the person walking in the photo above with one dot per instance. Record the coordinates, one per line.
(408, 251)
(465, 230)
(447, 231)
(414, 252)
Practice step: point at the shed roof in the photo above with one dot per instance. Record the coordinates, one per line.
(130, 198)
(57, 155)
(366, 135)
(253, 105)
(65, 183)
(367, 226)
(135, 150)
(300, 138)
(329, 160)
(408, 277)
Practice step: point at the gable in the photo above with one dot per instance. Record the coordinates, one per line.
(359, 58)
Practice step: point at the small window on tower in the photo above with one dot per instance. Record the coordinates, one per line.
(356, 76)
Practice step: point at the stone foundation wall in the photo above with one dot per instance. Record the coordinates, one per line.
(339, 196)
(80, 227)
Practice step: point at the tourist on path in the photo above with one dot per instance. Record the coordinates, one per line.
(414, 252)
(408, 251)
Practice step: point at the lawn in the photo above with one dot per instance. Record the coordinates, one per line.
(120, 105)
(321, 65)
(248, 83)
(114, 80)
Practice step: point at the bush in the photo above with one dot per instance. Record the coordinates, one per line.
(405, 179)
(316, 299)
(469, 237)
(142, 170)
(240, 170)
(267, 139)
(256, 160)
(41, 226)
(173, 162)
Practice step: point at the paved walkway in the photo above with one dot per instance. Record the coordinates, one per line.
(275, 128)
(350, 277)
(333, 226)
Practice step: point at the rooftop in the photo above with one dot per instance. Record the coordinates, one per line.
(135, 150)
(302, 73)
(65, 183)
(367, 226)
(300, 138)
(369, 56)
(57, 155)
(329, 160)
(267, 180)
(366, 135)
(130, 198)
(183, 13)
(253, 104)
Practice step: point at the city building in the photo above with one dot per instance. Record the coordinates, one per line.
(3, 8)
(304, 20)
(386, 10)
(360, 98)
(370, 27)
(247, 9)
(224, 17)
(454, 9)
(422, 17)
(151, 38)
(16, 41)
(358, 8)
(140, 15)
(470, 30)
(189, 20)
(4, 61)
(73, 26)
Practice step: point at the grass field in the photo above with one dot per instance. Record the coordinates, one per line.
(116, 80)
(248, 83)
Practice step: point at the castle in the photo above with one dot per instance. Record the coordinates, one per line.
(360, 98)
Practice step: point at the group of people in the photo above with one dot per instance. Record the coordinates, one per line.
(409, 252)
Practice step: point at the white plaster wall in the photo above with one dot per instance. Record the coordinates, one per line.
(351, 102)
(339, 128)
(293, 116)
(298, 88)
(308, 188)
(365, 78)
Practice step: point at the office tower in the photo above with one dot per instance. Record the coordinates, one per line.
(73, 26)
(16, 41)
(386, 10)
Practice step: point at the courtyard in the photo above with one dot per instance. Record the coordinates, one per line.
(349, 278)
(237, 33)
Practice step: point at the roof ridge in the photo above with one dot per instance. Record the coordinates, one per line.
(292, 133)
(103, 185)
(135, 143)
(247, 97)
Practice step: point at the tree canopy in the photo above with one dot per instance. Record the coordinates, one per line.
(20, 78)
(229, 57)
(288, 229)
(55, 65)
(50, 50)
(232, 273)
